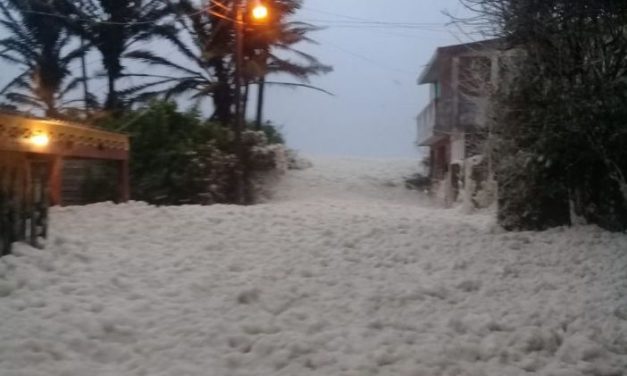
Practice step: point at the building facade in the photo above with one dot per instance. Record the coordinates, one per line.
(455, 122)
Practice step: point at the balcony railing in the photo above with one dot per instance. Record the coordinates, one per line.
(426, 123)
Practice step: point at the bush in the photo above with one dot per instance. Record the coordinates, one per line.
(418, 182)
(296, 162)
(562, 149)
(178, 158)
(272, 132)
(560, 113)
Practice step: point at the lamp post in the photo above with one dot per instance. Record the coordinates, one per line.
(259, 13)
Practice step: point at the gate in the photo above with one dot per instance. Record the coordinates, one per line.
(23, 200)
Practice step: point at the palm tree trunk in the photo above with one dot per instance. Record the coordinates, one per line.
(85, 84)
(112, 97)
(260, 101)
(51, 106)
(245, 105)
(223, 96)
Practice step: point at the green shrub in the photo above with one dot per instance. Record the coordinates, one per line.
(179, 158)
(272, 132)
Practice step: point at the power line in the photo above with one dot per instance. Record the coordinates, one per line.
(374, 27)
(365, 58)
(352, 19)
(376, 23)
(379, 26)
(86, 20)
(364, 24)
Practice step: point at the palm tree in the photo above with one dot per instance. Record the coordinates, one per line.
(113, 27)
(39, 44)
(211, 68)
(280, 37)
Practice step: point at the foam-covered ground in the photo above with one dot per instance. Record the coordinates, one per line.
(345, 273)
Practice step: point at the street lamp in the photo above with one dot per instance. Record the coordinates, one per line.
(259, 13)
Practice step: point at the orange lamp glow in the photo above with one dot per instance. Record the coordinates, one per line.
(260, 12)
(40, 140)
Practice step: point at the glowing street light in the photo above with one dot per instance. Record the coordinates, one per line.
(40, 140)
(260, 12)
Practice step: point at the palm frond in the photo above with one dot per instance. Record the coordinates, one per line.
(17, 31)
(146, 96)
(288, 67)
(72, 86)
(76, 53)
(297, 85)
(170, 33)
(17, 82)
(181, 88)
(19, 98)
(138, 88)
(16, 60)
(204, 92)
(19, 47)
(151, 59)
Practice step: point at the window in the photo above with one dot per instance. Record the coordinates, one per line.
(435, 90)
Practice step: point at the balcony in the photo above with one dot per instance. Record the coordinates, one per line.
(426, 124)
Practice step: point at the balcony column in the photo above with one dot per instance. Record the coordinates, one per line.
(495, 71)
(455, 86)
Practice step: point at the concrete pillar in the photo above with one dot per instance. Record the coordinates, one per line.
(456, 94)
(495, 71)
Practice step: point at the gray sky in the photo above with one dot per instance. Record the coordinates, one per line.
(374, 79)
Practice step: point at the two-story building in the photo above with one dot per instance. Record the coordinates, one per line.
(452, 125)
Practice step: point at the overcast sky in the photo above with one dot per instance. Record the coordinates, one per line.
(376, 97)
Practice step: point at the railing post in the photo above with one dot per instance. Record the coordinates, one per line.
(124, 181)
(56, 177)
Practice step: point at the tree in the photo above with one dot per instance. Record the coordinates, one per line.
(41, 46)
(113, 27)
(179, 158)
(561, 120)
(211, 68)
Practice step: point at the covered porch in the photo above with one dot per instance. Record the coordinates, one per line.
(32, 155)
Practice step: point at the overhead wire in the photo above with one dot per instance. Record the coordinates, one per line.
(375, 23)
(358, 20)
(365, 58)
(357, 23)
(379, 26)
(349, 22)
(91, 21)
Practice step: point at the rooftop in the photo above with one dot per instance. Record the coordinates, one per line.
(430, 73)
(17, 132)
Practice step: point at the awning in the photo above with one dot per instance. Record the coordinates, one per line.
(19, 133)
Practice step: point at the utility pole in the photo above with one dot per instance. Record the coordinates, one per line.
(84, 72)
(259, 13)
(241, 180)
(260, 101)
